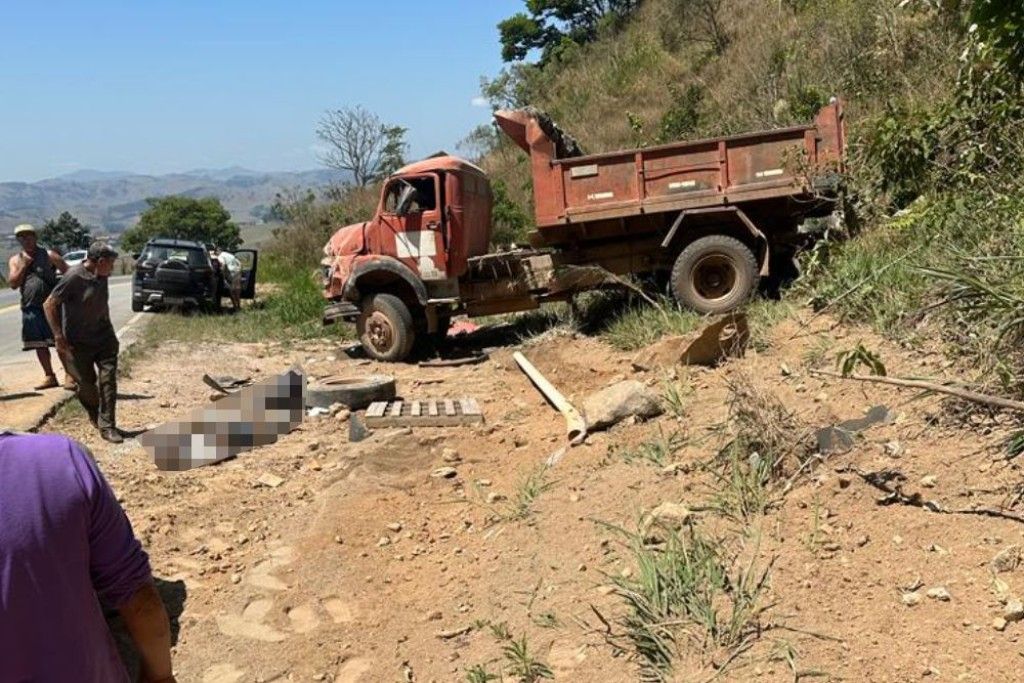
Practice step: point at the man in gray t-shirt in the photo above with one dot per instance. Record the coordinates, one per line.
(79, 315)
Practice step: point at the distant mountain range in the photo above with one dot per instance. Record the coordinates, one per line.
(112, 201)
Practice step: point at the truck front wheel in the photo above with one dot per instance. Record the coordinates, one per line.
(714, 274)
(385, 328)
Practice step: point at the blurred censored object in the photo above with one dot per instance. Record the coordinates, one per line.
(254, 416)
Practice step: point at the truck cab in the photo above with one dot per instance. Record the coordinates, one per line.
(397, 275)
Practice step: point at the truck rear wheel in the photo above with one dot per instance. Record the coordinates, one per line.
(385, 328)
(714, 274)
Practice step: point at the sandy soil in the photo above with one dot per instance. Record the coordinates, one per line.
(360, 566)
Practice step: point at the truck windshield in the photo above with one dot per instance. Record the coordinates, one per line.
(426, 199)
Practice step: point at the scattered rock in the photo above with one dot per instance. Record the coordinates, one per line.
(720, 340)
(269, 480)
(617, 402)
(665, 517)
(1007, 559)
(939, 593)
(444, 473)
(911, 599)
(893, 449)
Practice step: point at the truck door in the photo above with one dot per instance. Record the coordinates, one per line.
(415, 233)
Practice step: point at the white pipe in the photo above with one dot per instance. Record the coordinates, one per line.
(574, 422)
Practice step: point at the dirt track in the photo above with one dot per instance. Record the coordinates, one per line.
(362, 567)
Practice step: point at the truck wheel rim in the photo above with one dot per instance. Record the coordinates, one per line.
(714, 276)
(380, 332)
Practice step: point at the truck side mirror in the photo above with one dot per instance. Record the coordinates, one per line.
(405, 200)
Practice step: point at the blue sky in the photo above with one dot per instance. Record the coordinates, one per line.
(156, 86)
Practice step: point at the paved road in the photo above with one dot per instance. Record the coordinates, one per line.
(10, 318)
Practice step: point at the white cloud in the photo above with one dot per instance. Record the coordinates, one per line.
(479, 101)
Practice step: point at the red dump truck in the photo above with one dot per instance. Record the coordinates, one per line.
(714, 216)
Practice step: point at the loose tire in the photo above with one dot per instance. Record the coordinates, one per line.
(385, 328)
(714, 274)
(354, 392)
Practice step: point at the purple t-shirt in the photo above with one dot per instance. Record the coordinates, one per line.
(64, 542)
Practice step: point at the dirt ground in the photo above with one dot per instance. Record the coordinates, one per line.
(360, 566)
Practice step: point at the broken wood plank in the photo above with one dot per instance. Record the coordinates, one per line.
(376, 409)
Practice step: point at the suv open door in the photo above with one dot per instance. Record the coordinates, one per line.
(248, 259)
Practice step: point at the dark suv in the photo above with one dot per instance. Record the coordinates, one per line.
(172, 272)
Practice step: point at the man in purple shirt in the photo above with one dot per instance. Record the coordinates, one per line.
(66, 546)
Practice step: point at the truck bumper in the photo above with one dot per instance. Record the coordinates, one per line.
(345, 311)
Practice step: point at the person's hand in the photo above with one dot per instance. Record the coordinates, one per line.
(63, 348)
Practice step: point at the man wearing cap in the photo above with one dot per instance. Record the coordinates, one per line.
(33, 271)
(79, 315)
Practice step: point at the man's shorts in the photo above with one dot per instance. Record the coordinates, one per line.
(35, 331)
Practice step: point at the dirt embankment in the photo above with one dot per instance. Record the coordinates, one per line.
(361, 566)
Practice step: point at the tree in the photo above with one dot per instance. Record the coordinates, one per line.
(360, 143)
(201, 220)
(65, 233)
(548, 25)
(392, 157)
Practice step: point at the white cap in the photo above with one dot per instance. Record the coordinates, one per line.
(24, 227)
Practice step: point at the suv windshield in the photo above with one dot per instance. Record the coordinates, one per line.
(195, 258)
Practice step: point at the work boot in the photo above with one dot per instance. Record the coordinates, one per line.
(112, 435)
(50, 383)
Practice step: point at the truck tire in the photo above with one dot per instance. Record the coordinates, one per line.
(354, 392)
(714, 274)
(385, 328)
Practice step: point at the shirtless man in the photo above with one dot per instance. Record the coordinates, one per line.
(33, 271)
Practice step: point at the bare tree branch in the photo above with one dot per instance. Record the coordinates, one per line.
(356, 139)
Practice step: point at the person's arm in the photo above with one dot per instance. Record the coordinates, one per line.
(17, 267)
(147, 622)
(120, 572)
(51, 307)
(58, 262)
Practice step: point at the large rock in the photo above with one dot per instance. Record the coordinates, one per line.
(719, 340)
(619, 401)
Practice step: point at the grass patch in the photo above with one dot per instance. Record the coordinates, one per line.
(767, 445)
(658, 451)
(688, 592)
(528, 490)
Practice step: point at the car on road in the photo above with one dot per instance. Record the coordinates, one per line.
(172, 272)
(73, 258)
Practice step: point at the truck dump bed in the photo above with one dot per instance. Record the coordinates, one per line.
(741, 169)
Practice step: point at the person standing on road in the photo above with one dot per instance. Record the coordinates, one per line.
(79, 313)
(33, 271)
(66, 546)
(231, 269)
